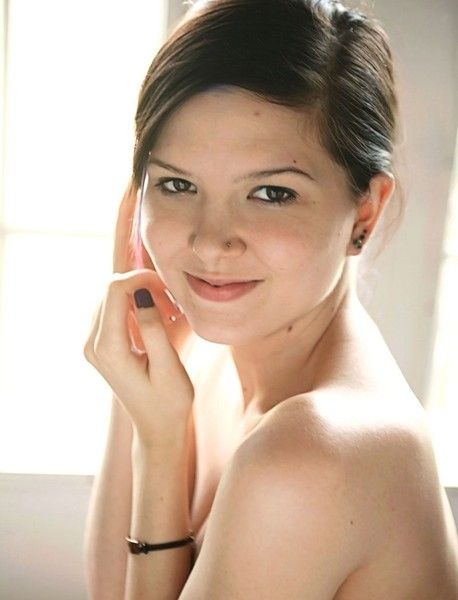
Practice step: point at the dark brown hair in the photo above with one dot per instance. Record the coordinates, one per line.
(311, 54)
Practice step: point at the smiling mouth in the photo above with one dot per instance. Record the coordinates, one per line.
(220, 283)
(220, 292)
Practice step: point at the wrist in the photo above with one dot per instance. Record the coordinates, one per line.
(175, 441)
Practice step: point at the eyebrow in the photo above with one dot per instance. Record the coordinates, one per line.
(252, 175)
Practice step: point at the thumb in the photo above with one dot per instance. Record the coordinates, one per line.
(151, 328)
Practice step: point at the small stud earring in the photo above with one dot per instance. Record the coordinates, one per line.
(358, 242)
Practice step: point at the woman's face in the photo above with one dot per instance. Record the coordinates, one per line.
(297, 248)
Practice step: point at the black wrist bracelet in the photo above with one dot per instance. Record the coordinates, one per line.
(137, 547)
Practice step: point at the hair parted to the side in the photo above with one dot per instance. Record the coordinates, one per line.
(315, 55)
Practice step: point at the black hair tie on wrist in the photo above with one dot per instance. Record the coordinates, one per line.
(137, 547)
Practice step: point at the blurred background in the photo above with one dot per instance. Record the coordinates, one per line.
(70, 73)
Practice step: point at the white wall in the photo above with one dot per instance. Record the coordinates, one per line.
(403, 282)
(42, 520)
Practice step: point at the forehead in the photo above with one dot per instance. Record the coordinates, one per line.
(225, 120)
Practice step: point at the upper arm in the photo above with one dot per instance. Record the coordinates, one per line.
(281, 526)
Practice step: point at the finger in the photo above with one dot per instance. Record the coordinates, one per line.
(169, 309)
(89, 345)
(112, 341)
(137, 341)
(162, 356)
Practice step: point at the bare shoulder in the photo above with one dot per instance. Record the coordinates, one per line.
(281, 524)
(370, 445)
(349, 429)
(326, 504)
(377, 465)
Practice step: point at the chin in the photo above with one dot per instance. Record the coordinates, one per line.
(215, 339)
(219, 332)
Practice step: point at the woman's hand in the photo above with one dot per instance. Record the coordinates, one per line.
(129, 346)
(178, 332)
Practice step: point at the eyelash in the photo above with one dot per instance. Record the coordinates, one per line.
(164, 190)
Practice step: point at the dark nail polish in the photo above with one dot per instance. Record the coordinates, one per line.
(143, 298)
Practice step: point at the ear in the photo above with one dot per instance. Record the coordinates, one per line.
(370, 207)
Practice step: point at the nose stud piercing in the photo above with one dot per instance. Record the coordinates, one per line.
(358, 243)
(228, 244)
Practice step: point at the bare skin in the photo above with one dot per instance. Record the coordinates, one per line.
(321, 348)
(297, 360)
(373, 414)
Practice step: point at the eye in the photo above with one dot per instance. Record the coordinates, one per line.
(180, 185)
(277, 195)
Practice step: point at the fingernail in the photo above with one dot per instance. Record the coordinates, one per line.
(143, 298)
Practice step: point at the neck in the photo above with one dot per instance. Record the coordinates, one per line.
(283, 363)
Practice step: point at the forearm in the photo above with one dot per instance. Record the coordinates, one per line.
(110, 513)
(160, 513)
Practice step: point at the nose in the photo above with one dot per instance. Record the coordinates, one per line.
(212, 241)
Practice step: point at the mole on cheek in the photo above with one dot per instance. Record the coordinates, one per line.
(256, 113)
(290, 328)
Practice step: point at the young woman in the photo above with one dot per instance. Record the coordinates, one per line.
(259, 420)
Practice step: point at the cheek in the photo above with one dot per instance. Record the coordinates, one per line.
(283, 252)
(285, 247)
(304, 259)
(162, 237)
(288, 246)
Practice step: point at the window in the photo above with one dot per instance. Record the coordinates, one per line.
(73, 72)
(70, 82)
(442, 405)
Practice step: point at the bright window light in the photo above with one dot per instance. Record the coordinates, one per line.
(74, 71)
(442, 405)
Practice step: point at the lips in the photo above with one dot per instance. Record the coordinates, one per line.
(220, 292)
(220, 285)
(222, 282)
